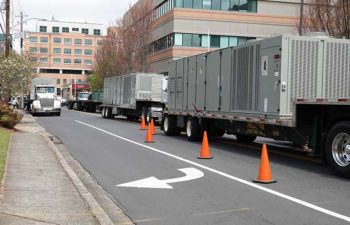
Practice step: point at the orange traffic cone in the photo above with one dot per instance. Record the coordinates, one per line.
(205, 151)
(143, 123)
(264, 175)
(149, 137)
(152, 126)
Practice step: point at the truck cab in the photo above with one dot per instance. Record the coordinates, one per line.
(43, 100)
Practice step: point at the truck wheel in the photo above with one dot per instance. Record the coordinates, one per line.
(148, 116)
(58, 114)
(192, 129)
(103, 112)
(245, 138)
(219, 133)
(169, 126)
(338, 148)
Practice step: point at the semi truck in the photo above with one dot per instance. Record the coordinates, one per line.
(287, 88)
(86, 101)
(133, 95)
(42, 97)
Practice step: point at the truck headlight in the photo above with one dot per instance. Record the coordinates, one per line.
(36, 105)
(57, 104)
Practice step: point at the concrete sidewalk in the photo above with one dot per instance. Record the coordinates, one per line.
(38, 188)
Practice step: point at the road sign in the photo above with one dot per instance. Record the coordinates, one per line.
(153, 182)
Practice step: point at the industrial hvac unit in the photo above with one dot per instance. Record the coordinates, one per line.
(262, 78)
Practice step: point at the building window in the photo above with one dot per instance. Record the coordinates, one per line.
(88, 42)
(43, 60)
(44, 39)
(57, 40)
(55, 29)
(43, 29)
(44, 50)
(97, 32)
(197, 4)
(178, 39)
(57, 61)
(67, 61)
(187, 3)
(187, 39)
(77, 61)
(33, 39)
(58, 81)
(224, 43)
(75, 29)
(64, 81)
(88, 62)
(56, 51)
(88, 52)
(33, 50)
(77, 41)
(65, 29)
(77, 51)
(215, 41)
(99, 42)
(68, 41)
(67, 51)
(179, 3)
(85, 31)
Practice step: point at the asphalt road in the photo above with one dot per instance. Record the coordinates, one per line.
(114, 152)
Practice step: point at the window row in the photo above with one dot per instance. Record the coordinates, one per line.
(67, 51)
(65, 81)
(224, 5)
(43, 29)
(197, 40)
(65, 61)
(66, 41)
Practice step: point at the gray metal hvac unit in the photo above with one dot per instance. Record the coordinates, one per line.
(125, 91)
(262, 78)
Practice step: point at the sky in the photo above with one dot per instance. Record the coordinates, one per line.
(94, 11)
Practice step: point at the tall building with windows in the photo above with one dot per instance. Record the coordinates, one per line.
(64, 50)
(188, 27)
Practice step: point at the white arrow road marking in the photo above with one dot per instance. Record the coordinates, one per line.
(153, 182)
(248, 183)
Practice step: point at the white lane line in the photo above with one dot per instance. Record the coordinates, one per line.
(276, 193)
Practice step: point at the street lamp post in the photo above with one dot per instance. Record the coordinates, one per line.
(301, 18)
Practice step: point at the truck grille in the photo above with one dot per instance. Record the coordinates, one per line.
(47, 102)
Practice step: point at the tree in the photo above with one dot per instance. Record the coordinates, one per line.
(15, 71)
(96, 82)
(331, 16)
(125, 48)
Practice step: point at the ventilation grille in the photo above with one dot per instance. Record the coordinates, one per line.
(303, 69)
(243, 79)
(337, 72)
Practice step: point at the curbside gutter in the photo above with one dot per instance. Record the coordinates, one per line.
(95, 207)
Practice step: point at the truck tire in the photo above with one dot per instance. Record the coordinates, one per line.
(193, 129)
(338, 148)
(103, 112)
(58, 114)
(109, 114)
(148, 116)
(169, 126)
(245, 138)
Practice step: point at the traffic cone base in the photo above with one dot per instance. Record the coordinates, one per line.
(264, 175)
(143, 124)
(205, 150)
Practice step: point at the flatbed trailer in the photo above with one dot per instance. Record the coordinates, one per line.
(90, 103)
(287, 88)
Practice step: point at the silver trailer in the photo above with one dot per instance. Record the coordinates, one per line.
(134, 94)
(287, 88)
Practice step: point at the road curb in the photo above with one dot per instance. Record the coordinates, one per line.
(95, 207)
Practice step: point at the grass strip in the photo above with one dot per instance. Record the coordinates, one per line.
(4, 144)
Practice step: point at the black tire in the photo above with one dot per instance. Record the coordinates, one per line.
(58, 114)
(103, 112)
(193, 130)
(148, 116)
(245, 138)
(109, 113)
(169, 126)
(337, 149)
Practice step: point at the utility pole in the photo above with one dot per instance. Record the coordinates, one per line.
(7, 41)
(301, 18)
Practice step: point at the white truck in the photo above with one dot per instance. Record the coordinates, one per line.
(42, 100)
